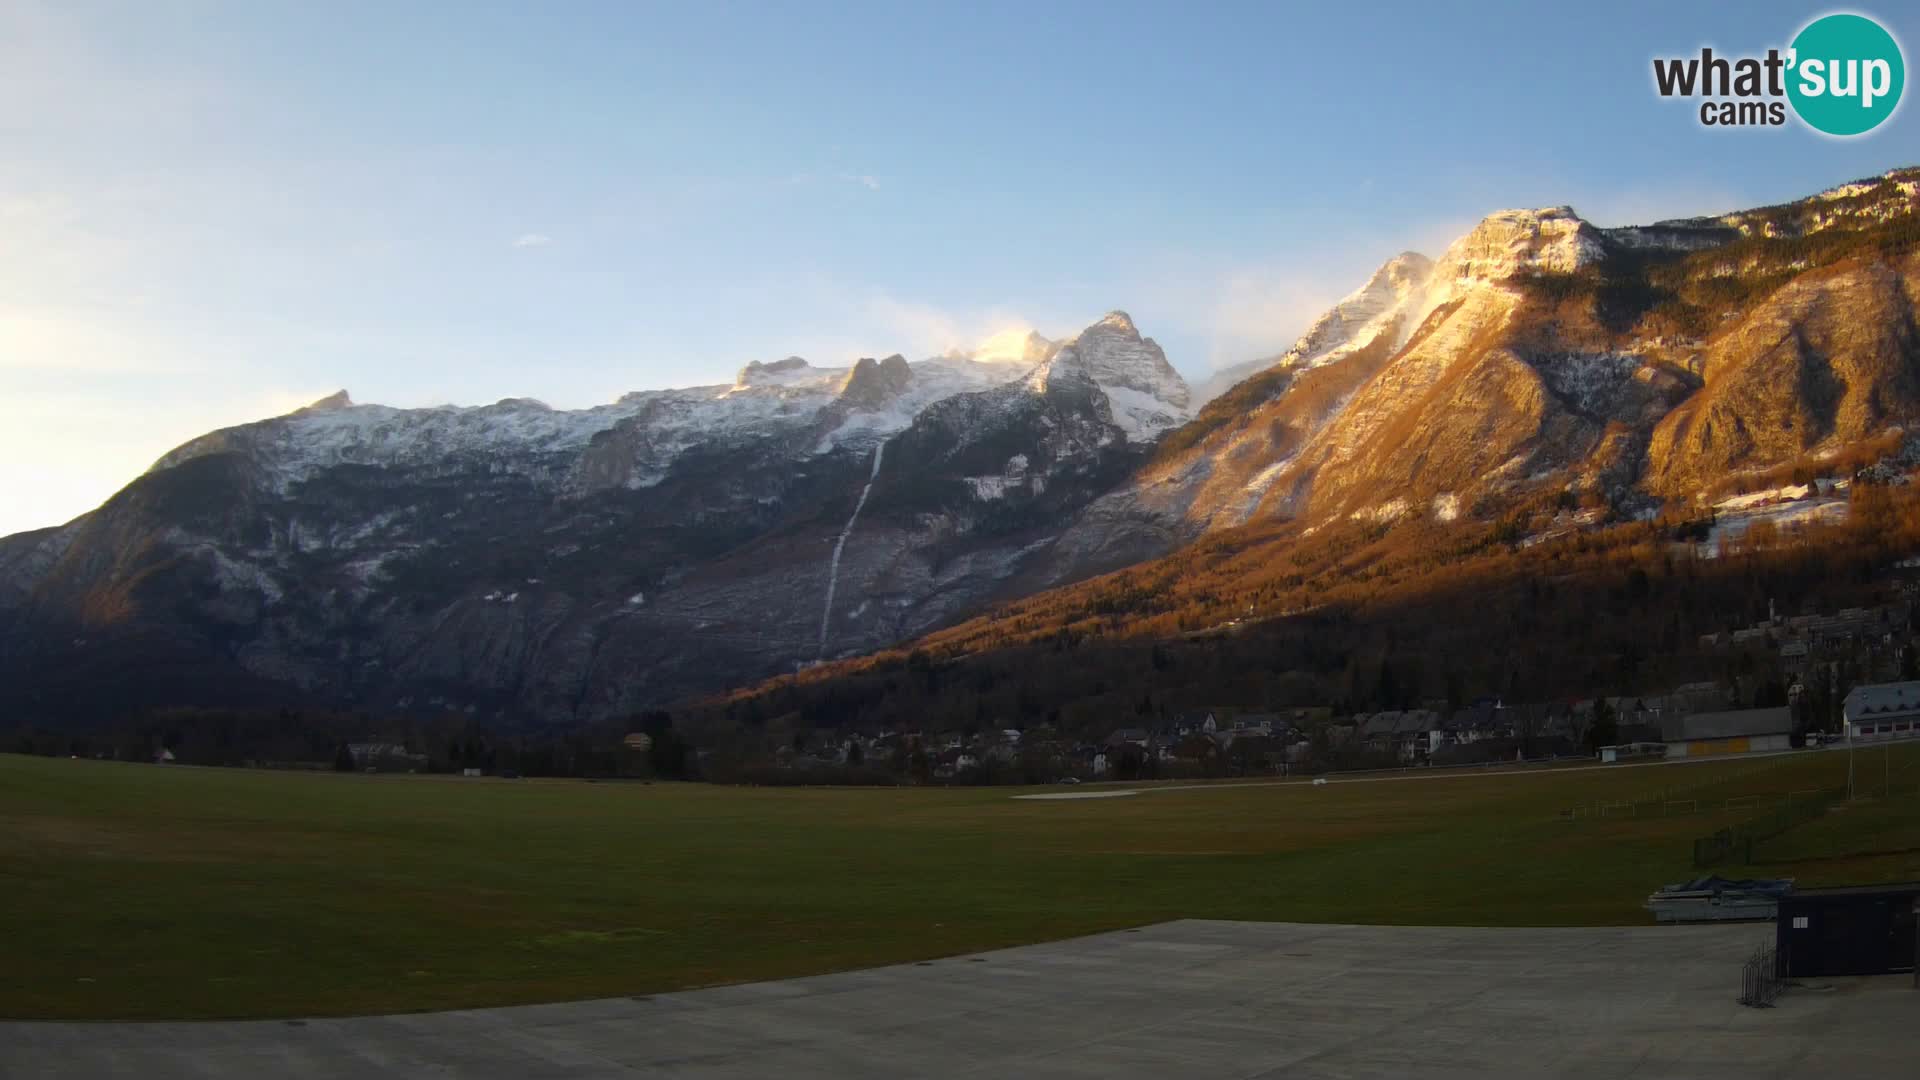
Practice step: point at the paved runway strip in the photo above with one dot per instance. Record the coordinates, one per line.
(1188, 998)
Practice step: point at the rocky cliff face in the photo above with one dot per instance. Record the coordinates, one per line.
(1829, 358)
(1541, 354)
(528, 564)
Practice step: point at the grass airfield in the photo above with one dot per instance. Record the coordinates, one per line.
(144, 892)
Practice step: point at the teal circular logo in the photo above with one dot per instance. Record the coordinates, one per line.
(1846, 74)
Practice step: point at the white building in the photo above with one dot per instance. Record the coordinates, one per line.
(1881, 711)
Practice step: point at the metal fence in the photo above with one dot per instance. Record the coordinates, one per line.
(1739, 840)
(1672, 807)
(1763, 977)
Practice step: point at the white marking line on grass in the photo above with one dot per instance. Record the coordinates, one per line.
(1079, 795)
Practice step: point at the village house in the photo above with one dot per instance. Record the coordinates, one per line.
(953, 761)
(1260, 723)
(1195, 748)
(1202, 721)
(1407, 734)
(1256, 725)
(1414, 734)
(1793, 657)
(1881, 711)
(1375, 729)
(1699, 697)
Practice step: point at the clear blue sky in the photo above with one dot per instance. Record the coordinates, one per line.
(213, 212)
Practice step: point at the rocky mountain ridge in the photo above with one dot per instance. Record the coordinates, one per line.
(1543, 355)
(531, 565)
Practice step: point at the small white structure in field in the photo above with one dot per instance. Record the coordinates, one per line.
(1319, 781)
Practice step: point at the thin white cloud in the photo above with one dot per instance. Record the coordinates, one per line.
(922, 329)
(1263, 308)
(1211, 317)
(869, 182)
(532, 240)
(849, 320)
(1433, 238)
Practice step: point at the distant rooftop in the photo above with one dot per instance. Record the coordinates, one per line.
(1882, 699)
(1729, 725)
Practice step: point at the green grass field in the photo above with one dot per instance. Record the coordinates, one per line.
(130, 891)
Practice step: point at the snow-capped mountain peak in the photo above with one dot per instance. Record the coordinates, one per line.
(1146, 394)
(1358, 318)
(872, 383)
(1510, 242)
(1020, 346)
(1505, 245)
(1382, 303)
(339, 399)
(634, 442)
(664, 521)
(1409, 287)
(785, 372)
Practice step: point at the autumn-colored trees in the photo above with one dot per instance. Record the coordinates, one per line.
(1362, 616)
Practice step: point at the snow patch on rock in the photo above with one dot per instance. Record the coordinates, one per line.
(1392, 510)
(1359, 318)
(1022, 347)
(1146, 395)
(990, 488)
